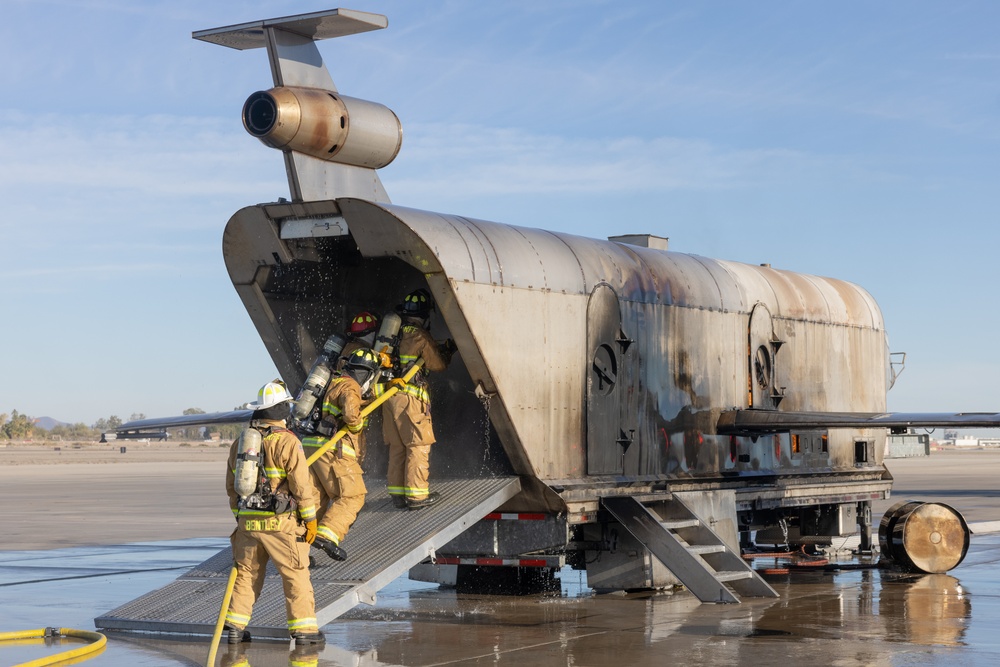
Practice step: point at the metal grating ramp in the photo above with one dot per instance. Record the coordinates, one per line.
(383, 544)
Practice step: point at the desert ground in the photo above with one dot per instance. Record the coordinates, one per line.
(66, 495)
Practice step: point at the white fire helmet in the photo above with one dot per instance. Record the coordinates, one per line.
(271, 394)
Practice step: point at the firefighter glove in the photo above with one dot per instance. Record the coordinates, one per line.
(447, 349)
(310, 531)
(398, 383)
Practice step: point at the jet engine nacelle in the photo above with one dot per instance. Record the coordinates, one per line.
(324, 125)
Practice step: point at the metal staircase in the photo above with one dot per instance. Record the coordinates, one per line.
(689, 548)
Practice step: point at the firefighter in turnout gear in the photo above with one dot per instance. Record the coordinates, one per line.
(337, 473)
(360, 335)
(276, 517)
(406, 416)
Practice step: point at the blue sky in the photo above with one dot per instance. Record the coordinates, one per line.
(855, 140)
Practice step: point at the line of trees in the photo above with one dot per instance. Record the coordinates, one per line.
(22, 427)
(19, 426)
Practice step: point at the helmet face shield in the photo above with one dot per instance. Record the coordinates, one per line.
(361, 366)
(362, 376)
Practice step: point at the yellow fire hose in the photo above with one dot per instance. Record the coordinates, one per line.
(390, 392)
(217, 635)
(96, 646)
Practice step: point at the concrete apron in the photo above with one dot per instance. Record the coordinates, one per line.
(834, 617)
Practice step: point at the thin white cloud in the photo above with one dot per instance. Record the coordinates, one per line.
(449, 159)
(156, 156)
(77, 271)
(991, 57)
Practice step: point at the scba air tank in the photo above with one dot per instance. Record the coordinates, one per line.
(318, 378)
(248, 462)
(386, 340)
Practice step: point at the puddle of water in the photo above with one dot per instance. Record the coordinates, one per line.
(847, 617)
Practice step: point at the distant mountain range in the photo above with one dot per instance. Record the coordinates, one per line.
(48, 423)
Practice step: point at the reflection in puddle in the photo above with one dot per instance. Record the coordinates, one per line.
(930, 609)
(823, 617)
(853, 616)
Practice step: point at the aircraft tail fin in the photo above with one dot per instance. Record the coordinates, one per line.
(318, 167)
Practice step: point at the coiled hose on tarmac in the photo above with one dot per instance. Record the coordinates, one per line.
(87, 652)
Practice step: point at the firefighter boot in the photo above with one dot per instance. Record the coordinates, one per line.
(399, 502)
(330, 549)
(431, 498)
(235, 635)
(303, 638)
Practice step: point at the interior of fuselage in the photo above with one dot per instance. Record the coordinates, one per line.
(322, 290)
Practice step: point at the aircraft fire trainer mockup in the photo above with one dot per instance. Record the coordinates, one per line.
(613, 406)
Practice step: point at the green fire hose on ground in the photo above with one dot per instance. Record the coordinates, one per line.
(98, 641)
(389, 393)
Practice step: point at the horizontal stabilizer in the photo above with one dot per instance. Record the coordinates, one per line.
(759, 422)
(315, 26)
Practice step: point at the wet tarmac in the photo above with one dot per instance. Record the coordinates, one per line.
(825, 616)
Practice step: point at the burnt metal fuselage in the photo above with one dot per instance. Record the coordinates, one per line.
(604, 366)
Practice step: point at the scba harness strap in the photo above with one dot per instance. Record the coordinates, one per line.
(263, 499)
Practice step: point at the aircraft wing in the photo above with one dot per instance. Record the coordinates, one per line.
(761, 422)
(155, 426)
(731, 422)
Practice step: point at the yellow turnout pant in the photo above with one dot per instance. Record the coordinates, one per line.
(407, 429)
(277, 542)
(342, 491)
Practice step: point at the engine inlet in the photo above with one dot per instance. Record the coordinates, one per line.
(260, 112)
